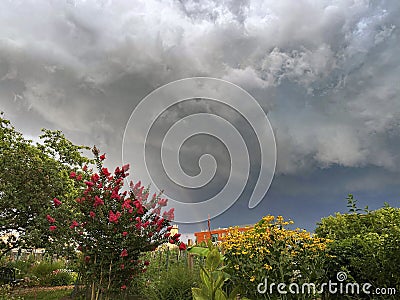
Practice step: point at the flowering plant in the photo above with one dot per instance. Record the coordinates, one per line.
(111, 227)
(269, 250)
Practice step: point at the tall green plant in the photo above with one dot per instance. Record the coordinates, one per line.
(212, 275)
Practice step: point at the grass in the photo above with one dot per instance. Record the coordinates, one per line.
(45, 294)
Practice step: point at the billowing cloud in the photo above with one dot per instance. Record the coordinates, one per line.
(326, 72)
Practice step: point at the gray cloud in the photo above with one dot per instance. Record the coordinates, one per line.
(325, 71)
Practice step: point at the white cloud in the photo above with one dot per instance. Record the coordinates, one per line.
(82, 66)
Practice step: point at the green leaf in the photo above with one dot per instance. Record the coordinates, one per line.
(220, 295)
(205, 278)
(213, 260)
(201, 251)
(198, 294)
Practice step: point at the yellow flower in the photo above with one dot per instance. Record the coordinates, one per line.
(267, 267)
(252, 278)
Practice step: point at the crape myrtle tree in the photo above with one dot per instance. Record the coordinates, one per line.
(110, 228)
(30, 175)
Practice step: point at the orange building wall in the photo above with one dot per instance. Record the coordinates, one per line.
(204, 236)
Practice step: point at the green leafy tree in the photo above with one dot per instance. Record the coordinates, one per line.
(366, 245)
(30, 176)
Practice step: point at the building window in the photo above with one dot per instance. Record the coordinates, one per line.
(214, 237)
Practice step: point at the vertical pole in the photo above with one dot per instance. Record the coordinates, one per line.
(190, 256)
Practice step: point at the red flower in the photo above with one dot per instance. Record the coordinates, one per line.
(182, 246)
(160, 221)
(139, 207)
(72, 174)
(92, 214)
(122, 266)
(52, 228)
(89, 183)
(123, 287)
(97, 201)
(146, 262)
(50, 219)
(162, 202)
(87, 258)
(114, 194)
(117, 171)
(124, 233)
(56, 202)
(124, 253)
(138, 224)
(105, 172)
(95, 177)
(176, 236)
(74, 224)
(127, 204)
(157, 211)
(103, 157)
(169, 215)
(146, 224)
(79, 177)
(84, 168)
(113, 217)
(125, 167)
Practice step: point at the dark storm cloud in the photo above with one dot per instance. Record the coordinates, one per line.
(325, 71)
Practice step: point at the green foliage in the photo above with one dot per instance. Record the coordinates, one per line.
(22, 267)
(212, 275)
(30, 176)
(366, 245)
(43, 272)
(60, 278)
(171, 284)
(44, 268)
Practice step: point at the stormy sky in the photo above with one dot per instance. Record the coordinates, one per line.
(326, 73)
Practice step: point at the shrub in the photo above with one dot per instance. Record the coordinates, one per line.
(60, 277)
(44, 268)
(366, 245)
(22, 267)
